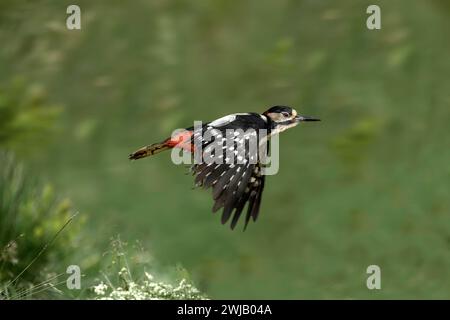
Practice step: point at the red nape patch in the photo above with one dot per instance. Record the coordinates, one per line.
(181, 140)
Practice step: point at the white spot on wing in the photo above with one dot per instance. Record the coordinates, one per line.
(226, 120)
(223, 121)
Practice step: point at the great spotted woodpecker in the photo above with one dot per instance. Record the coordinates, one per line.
(235, 171)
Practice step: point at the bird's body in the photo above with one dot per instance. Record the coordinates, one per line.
(228, 163)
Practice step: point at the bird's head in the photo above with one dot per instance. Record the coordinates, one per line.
(283, 117)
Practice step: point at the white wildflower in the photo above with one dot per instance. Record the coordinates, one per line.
(148, 289)
(100, 289)
(123, 272)
(149, 276)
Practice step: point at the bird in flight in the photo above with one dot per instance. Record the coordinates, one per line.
(228, 164)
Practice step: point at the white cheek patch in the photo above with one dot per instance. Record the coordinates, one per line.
(275, 117)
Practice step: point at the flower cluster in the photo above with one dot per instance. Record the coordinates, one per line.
(148, 289)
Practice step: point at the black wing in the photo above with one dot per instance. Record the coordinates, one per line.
(233, 184)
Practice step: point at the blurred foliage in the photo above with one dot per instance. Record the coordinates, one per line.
(30, 216)
(36, 248)
(352, 145)
(26, 118)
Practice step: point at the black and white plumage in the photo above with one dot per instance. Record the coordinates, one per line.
(234, 184)
(237, 180)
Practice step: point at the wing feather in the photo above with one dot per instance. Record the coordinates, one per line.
(233, 185)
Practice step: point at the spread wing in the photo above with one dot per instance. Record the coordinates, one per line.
(233, 187)
(234, 184)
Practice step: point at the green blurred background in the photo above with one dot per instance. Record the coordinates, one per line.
(370, 184)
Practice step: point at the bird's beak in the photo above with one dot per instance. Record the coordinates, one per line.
(305, 118)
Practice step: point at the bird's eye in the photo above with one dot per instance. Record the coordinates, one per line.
(285, 114)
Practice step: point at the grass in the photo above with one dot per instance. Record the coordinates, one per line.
(33, 247)
(31, 219)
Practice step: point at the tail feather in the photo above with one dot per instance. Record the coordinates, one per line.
(180, 140)
(149, 150)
